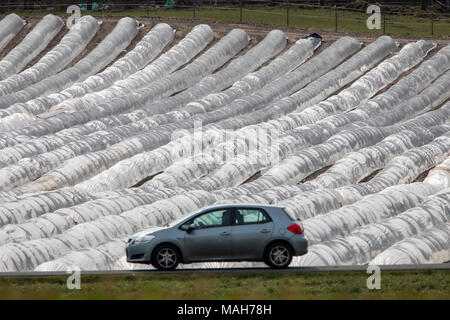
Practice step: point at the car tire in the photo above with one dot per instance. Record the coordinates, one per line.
(165, 257)
(278, 255)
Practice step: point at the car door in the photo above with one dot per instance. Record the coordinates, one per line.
(250, 231)
(211, 238)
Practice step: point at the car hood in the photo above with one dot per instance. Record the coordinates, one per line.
(146, 231)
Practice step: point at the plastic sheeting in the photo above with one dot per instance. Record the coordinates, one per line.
(108, 49)
(9, 27)
(360, 90)
(307, 72)
(57, 58)
(202, 164)
(180, 54)
(33, 43)
(356, 166)
(56, 221)
(144, 51)
(370, 209)
(226, 48)
(29, 254)
(366, 242)
(440, 175)
(430, 246)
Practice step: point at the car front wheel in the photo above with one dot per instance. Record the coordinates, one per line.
(278, 255)
(165, 257)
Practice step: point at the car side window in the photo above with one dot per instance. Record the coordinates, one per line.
(216, 218)
(250, 216)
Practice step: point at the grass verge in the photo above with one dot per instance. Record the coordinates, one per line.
(432, 284)
(321, 19)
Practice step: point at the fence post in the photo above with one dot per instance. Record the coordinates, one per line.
(335, 18)
(240, 11)
(432, 25)
(287, 13)
(193, 10)
(384, 23)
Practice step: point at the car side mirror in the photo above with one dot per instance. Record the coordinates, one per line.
(190, 227)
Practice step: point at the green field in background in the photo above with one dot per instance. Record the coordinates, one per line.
(303, 18)
(271, 285)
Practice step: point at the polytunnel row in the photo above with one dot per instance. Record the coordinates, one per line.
(161, 68)
(156, 177)
(144, 51)
(440, 175)
(365, 243)
(104, 262)
(184, 51)
(360, 90)
(103, 159)
(316, 90)
(311, 92)
(158, 213)
(299, 52)
(104, 249)
(56, 221)
(168, 208)
(57, 58)
(52, 217)
(355, 166)
(29, 254)
(206, 162)
(176, 56)
(32, 168)
(370, 209)
(9, 27)
(136, 59)
(310, 70)
(271, 45)
(430, 94)
(300, 164)
(283, 64)
(33, 43)
(109, 48)
(355, 138)
(429, 246)
(293, 168)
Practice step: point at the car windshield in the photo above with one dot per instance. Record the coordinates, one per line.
(176, 221)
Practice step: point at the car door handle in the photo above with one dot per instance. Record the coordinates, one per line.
(225, 233)
(265, 231)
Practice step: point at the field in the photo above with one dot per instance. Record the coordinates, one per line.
(413, 285)
(312, 19)
(114, 128)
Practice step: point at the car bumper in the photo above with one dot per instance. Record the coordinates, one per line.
(139, 252)
(300, 245)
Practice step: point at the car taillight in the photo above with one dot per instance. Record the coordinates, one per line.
(295, 228)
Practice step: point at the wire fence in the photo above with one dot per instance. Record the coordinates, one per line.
(325, 15)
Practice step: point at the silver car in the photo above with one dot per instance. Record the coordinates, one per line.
(234, 232)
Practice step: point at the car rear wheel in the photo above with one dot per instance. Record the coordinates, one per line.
(165, 257)
(278, 255)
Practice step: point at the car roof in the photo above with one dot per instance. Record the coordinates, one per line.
(240, 205)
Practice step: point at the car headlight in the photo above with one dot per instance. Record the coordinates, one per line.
(144, 238)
